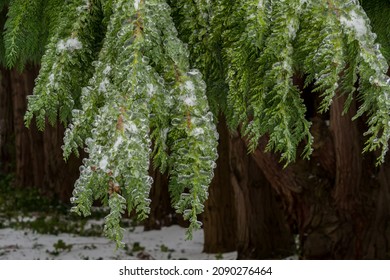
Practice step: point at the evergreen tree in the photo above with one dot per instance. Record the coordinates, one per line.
(129, 80)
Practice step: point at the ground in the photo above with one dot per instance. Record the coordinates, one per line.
(167, 243)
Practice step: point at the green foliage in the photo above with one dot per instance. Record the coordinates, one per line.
(134, 88)
(378, 11)
(66, 63)
(201, 29)
(151, 95)
(277, 106)
(21, 42)
(28, 25)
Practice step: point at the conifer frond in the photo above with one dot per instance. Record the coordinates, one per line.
(192, 134)
(374, 84)
(243, 39)
(151, 94)
(119, 143)
(2, 47)
(66, 63)
(321, 42)
(21, 36)
(278, 109)
(378, 11)
(133, 91)
(201, 27)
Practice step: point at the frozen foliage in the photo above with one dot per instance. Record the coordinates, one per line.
(136, 4)
(118, 133)
(65, 58)
(356, 22)
(189, 100)
(86, 6)
(103, 163)
(132, 93)
(69, 45)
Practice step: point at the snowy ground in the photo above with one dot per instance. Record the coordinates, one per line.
(167, 243)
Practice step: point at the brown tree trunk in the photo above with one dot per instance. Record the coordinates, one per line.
(59, 176)
(220, 221)
(263, 232)
(38, 156)
(346, 139)
(29, 172)
(242, 212)
(161, 212)
(338, 201)
(7, 147)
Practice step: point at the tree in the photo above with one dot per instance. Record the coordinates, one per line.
(144, 80)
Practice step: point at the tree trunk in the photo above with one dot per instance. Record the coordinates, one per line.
(338, 201)
(242, 212)
(161, 212)
(38, 156)
(29, 171)
(7, 147)
(263, 230)
(220, 221)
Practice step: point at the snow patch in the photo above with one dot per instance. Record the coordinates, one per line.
(292, 30)
(197, 131)
(150, 89)
(84, 7)
(136, 4)
(102, 85)
(189, 85)
(131, 127)
(355, 22)
(28, 245)
(103, 163)
(118, 142)
(107, 70)
(51, 79)
(69, 45)
(194, 72)
(190, 100)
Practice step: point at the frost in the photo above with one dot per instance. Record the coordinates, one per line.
(51, 79)
(82, 8)
(292, 30)
(194, 72)
(190, 100)
(118, 142)
(197, 131)
(61, 46)
(107, 70)
(355, 22)
(103, 163)
(189, 85)
(102, 86)
(136, 4)
(131, 127)
(150, 89)
(71, 44)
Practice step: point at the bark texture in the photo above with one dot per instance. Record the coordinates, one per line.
(35, 158)
(220, 218)
(242, 212)
(338, 201)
